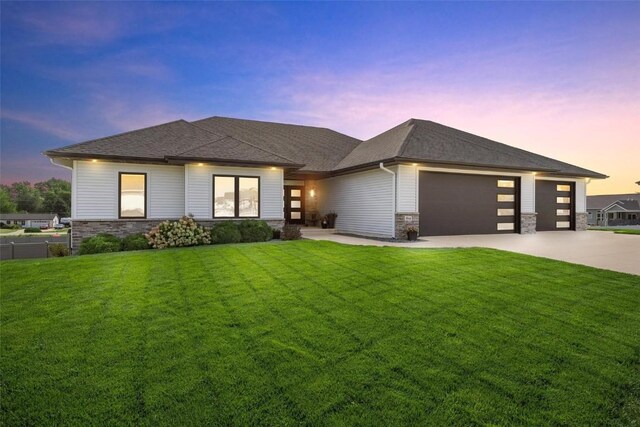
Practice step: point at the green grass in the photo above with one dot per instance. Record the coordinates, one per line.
(6, 231)
(618, 230)
(317, 333)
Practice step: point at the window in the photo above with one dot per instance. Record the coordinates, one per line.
(506, 183)
(133, 195)
(236, 196)
(563, 224)
(506, 226)
(296, 204)
(295, 193)
(563, 199)
(561, 187)
(564, 212)
(295, 215)
(506, 198)
(506, 212)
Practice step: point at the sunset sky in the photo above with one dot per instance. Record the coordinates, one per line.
(559, 79)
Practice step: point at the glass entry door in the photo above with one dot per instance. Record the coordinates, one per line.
(294, 204)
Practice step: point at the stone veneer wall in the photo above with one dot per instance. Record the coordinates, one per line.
(122, 228)
(581, 221)
(527, 223)
(402, 223)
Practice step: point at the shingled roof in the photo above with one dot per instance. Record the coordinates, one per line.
(427, 141)
(312, 149)
(602, 201)
(173, 141)
(319, 149)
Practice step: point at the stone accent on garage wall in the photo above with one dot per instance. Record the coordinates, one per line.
(404, 220)
(122, 228)
(581, 221)
(527, 223)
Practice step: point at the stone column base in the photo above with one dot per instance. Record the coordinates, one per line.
(527, 223)
(404, 220)
(581, 222)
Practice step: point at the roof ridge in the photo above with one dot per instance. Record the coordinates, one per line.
(268, 122)
(237, 139)
(403, 146)
(118, 134)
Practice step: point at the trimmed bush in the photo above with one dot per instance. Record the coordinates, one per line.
(291, 232)
(172, 234)
(253, 230)
(59, 250)
(101, 243)
(225, 232)
(135, 242)
(32, 230)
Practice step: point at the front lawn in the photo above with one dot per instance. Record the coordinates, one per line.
(618, 230)
(317, 333)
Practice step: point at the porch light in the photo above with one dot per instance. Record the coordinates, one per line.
(312, 192)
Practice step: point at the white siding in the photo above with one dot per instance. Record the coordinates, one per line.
(96, 189)
(528, 193)
(406, 189)
(581, 196)
(363, 202)
(199, 189)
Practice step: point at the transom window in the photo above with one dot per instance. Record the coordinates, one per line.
(236, 196)
(133, 195)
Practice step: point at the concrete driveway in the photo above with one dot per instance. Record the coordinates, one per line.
(601, 249)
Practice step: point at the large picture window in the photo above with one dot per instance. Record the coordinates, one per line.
(133, 195)
(236, 196)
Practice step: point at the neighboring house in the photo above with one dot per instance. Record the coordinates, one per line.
(420, 173)
(30, 220)
(614, 209)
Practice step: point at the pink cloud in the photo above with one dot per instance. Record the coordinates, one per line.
(44, 124)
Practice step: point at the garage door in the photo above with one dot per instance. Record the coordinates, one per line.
(452, 204)
(555, 205)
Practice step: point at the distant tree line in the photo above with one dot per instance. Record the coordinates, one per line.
(53, 195)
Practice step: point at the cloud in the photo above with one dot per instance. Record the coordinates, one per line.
(45, 124)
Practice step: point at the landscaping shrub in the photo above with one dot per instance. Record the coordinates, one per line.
(291, 232)
(59, 250)
(135, 242)
(184, 232)
(9, 226)
(252, 230)
(225, 232)
(32, 230)
(100, 243)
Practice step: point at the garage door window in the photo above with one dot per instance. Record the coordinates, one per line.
(506, 183)
(506, 226)
(506, 198)
(564, 212)
(506, 212)
(562, 187)
(563, 199)
(563, 224)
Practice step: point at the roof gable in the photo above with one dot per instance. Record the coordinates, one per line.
(602, 201)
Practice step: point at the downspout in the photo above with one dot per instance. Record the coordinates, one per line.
(393, 196)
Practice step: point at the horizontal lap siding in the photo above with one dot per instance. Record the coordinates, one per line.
(407, 184)
(581, 196)
(363, 202)
(527, 193)
(199, 184)
(96, 189)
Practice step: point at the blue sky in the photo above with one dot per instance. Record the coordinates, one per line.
(561, 79)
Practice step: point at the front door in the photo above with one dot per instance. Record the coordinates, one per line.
(294, 204)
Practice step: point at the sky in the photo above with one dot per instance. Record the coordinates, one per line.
(561, 79)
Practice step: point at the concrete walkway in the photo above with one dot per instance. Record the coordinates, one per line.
(601, 249)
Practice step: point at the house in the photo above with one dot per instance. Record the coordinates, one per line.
(30, 220)
(613, 209)
(436, 178)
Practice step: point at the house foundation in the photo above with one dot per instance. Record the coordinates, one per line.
(122, 228)
(404, 220)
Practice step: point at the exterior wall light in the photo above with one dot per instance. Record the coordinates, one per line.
(94, 161)
(273, 168)
(312, 192)
(414, 164)
(200, 164)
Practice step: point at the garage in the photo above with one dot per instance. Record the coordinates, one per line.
(455, 204)
(555, 205)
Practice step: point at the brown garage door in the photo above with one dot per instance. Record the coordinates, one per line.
(555, 205)
(452, 204)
